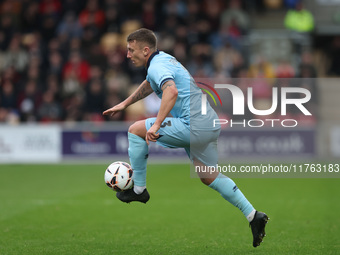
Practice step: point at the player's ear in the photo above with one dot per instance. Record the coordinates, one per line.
(146, 51)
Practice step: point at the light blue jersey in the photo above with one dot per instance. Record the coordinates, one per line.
(163, 67)
(188, 128)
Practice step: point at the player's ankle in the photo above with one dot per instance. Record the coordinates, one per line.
(251, 215)
(138, 189)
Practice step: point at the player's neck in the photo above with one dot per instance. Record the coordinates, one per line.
(150, 57)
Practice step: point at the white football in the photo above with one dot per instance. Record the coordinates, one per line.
(118, 176)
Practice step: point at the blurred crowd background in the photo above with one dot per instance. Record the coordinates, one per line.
(65, 60)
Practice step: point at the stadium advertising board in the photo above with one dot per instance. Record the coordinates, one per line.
(105, 144)
(30, 143)
(232, 143)
(267, 144)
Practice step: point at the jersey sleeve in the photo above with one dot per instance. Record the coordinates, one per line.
(160, 74)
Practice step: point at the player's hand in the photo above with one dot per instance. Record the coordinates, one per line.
(113, 110)
(151, 134)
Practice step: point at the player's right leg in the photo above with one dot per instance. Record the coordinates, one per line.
(226, 187)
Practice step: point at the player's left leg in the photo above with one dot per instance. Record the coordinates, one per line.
(205, 159)
(230, 192)
(172, 134)
(138, 154)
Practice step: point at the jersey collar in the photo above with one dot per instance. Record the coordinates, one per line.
(150, 58)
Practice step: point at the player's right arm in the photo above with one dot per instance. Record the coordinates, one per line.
(141, 92)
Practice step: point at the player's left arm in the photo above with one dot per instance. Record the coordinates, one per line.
(168, 101)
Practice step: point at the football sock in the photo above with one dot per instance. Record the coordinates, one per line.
(230, 192)
(138, 189)
(138, 154)
(251, 215)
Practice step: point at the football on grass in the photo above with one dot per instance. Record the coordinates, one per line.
(118, 176)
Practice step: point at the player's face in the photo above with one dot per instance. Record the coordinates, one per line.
(136, 53)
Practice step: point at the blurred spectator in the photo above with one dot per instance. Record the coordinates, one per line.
(15, 56)
(9, 21)
(89, 38)
(76, 68)
(272, 4)
(50, 11)
(261, 69)
(213, 9)
(74, 6)
(36, 49)
(29, 101)
(234, 23)
(180, 52)
(193, 12)
(334, 56)
(73, 106)
(227, 61)
(9, 116)
(200, 65)
(53, 85)
(291, 3)
(235, 17)
(8, 97)
(50, 109)
(149, 14)
(299, 19)
(285, 70)
(55, 63)
(54, 45)
(307, 67)
(30, 19)
(50, 7)
(131, 10)
(75, 45)
(113, 17)
(69, 28)
(92, 15)
(263, 75)
(33, 73)
(94, 99)
(175, 8)
(11, 74)
(96, 56)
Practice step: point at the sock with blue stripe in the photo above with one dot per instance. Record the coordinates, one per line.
(230, 192)
(138, 154)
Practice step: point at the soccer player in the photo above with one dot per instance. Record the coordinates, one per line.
(187, 128)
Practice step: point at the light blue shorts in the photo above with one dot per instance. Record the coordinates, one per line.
(199, 144)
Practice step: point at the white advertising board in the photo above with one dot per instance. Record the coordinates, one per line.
(30, 143)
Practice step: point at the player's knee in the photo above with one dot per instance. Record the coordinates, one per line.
(132, 129)
(138, 128)
(207, 181)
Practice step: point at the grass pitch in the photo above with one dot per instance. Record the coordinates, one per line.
(68, 209)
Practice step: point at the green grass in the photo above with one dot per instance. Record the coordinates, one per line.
(67, 209)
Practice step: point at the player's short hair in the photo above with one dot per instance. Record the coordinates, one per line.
(144, 35)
